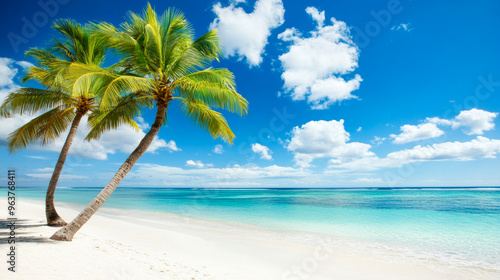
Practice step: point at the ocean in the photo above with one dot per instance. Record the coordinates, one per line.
(455, 227)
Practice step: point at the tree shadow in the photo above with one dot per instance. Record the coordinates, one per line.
(27, 239)
(20, 223)
(21, 236)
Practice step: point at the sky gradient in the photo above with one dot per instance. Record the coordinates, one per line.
(341, 94)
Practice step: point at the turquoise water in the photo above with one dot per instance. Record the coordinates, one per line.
(457, 225)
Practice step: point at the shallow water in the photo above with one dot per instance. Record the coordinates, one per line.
(457, 227)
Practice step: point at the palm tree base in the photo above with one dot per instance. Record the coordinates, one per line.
(62, 235)
(58, 222)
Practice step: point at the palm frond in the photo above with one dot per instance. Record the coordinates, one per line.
(123, 112)
(209, 45)
(211, 121)
(45, 127)
(32, 100)
(109, 87)
(75, 36)
(56, 124)
(215, 87)
(131, 51)
(41, 55)
(176, 34)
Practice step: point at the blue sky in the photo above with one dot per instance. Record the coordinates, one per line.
(341, 93)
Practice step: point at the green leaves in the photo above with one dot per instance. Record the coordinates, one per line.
(209, 45)
(32, 100)
(81, 45)
(109, 87)
(123, 112)
(44, 128)
(215, 87)
(211, 121)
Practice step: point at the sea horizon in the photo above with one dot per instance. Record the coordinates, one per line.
(284, 188)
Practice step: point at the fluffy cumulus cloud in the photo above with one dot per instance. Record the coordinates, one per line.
(243, 34)
(262, 150)
(478, 148)
(171, 146)
(123, 139)
(412, 133)
(197, 164)
(324, 139)
(473, 122)
(218, 149)
(316, 67)
(9, 68)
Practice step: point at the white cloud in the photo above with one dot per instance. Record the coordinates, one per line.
(313, 66)
(481, 147)
(198, 164)
(218, 149)
(316, 15)
(478, 148)
(7, 72)
(402, 27)
(46, 169)
(235, 175)
(324, 139)
(359, 129)
(475, 121)
(124, 139)
(264, 151)
(171, 146)
(24, 64)
(244, 35)
(62, 177)
(9, 68)
(367, 180)
(377, 140)
(412, 133)
(37, 157)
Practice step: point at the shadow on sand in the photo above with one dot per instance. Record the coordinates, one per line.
(21, 236)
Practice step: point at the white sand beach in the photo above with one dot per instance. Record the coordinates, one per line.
(123, 244)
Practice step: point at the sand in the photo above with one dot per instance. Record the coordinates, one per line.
(126, 244)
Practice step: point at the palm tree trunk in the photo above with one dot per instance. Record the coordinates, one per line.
(53, 219)
(66, 233)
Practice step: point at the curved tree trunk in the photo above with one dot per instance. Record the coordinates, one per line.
(66, 233)
(53, 219)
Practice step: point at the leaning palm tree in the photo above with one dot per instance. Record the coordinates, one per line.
(162, 50)
(62, 105)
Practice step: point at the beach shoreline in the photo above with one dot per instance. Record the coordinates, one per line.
(133, 244)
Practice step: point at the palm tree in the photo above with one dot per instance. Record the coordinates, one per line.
(62, 104)
(162, 50)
